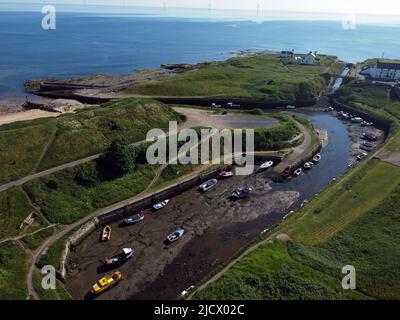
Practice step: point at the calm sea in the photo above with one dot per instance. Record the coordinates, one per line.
(86, 44)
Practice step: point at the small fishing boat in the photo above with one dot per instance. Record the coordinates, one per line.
(134, 219)
(308, 165)
(240, 193)
(177, 234)
(120, 258)
(266, 165)
(106, 233)
(160, 205)
(226, 174)
(317, 158)
(208, 185)
(298, 172)
(106, 282)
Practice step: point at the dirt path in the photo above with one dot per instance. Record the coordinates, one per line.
(27, 234)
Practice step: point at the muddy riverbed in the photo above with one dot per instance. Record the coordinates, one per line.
(216, 227)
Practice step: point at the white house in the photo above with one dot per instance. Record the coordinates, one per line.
(309, 59)
(387, 71)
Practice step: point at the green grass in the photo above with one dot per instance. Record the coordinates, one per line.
(14, 208)
(59, 294)
(21, 148)
(33, 241)
(30, 144)
(271, 273)
(63, 199)
(262, 77)
(342, 204)
(371, 98)
(13, 271)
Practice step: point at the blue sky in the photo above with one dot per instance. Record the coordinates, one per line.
(381, 7)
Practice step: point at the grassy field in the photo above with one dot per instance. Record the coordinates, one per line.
(370, 98)
(13, 271)
(59, 294)
(354, 222)
(32, 242)
(262, 77)
(64, 199)
(14, 208)
(41, 144)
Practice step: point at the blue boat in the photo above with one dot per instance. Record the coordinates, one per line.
(240, 193)
(134, 219)
(177, 234)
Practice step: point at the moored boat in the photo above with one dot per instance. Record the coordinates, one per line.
(298, 172)
(317, 158)
(308, 165)
(208, 185)
(226, 174)
(160, 205)
(177, 234)
(106, 233)
(266, 165)
(240, 193)
(134, 219)
(106, 282)
(120, 258)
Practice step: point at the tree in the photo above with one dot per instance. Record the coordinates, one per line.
(120, 158)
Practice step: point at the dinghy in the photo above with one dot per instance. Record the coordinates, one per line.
(266, 165)
(160, 205)
(208, 185)
(177, 234)
(226, 174)
(317, 158)
(298, 172)
(106, 233)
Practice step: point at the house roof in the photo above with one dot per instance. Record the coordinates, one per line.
(388, 65)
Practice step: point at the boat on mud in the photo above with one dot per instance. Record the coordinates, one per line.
(225, 174)
(134, 219)
(176, 235)
(119, 259)
(106, 233)
(298, 172)
(106, 283)
(317, 158)
(266, 165)
(240, 193)
(160, 205)
(208, 185)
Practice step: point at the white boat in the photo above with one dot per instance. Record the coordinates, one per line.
(317, 158)
(160, 205)
(208, 185)
(266, 165)
(298, 172)
(177, 234)
(226, 174)
(308, 165)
